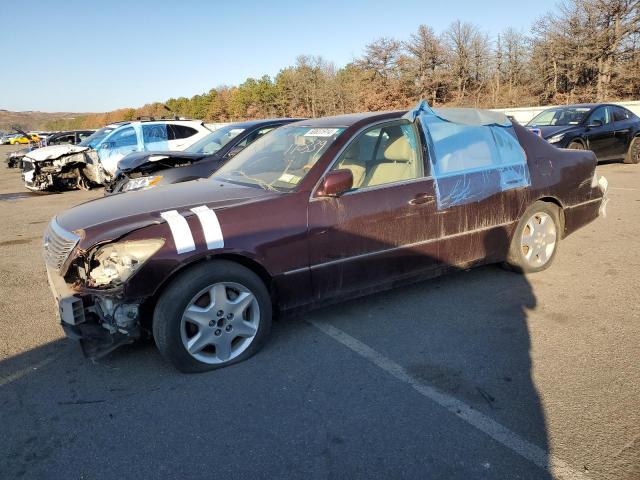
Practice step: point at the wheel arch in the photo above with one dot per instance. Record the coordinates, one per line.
(241, 259)
(558, 203)
(580, 140)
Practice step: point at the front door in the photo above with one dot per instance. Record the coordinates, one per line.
(601, 138)
(384, 229)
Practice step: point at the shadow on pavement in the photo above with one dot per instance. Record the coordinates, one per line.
(304, 407)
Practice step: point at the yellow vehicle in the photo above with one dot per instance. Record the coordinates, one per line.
(23, 139)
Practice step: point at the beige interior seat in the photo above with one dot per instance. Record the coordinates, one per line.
(399, 164)
(351, 161)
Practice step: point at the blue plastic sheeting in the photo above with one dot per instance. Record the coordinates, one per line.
(472, 158)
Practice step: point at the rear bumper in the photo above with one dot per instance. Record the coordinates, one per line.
(581, 214)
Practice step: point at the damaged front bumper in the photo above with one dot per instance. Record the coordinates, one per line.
(71, 171)
(101, 321)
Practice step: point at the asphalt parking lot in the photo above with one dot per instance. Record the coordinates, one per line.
(480, 374)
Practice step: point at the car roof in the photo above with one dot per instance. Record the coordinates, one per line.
(350, 119)
(264, 121)
(586, 105)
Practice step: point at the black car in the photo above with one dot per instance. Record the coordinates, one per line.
(612, 132)
(148, 169)
(73, 137)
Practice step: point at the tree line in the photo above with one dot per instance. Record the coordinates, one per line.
(582, 51)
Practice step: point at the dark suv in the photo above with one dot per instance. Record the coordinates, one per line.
(612, 132)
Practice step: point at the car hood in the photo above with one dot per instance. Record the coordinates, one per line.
(138, 159)
(118, 214)
(548, 132)
(54, 151)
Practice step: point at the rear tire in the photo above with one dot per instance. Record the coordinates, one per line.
(212, 315)
(633, 154)
(535, 241)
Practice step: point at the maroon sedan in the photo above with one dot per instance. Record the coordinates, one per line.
(314, 212)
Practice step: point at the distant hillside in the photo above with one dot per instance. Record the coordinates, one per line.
(33, 120)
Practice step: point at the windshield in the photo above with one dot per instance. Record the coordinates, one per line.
(560, 117)
(279, 161)
(216, 140)
(94, 139)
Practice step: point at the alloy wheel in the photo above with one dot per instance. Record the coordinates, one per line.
(539, 239)
(220, 322)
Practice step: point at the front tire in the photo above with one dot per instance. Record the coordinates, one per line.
(212, 315)
(535, 242)
(576, 146)
(633, 154)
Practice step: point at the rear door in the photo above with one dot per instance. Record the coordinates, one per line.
(155, 137)
(624, 123)
(601, 138)
(386, 227)
(481, 177)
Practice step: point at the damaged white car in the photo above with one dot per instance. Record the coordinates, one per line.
(94, 160)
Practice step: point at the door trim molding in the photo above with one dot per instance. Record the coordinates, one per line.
(393, 249)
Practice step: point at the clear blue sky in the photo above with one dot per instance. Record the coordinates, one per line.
(98, 56)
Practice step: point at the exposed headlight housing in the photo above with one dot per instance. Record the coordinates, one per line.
(556, 138)
(114, 263)
(141, 182)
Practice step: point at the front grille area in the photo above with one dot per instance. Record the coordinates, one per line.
(58, 244)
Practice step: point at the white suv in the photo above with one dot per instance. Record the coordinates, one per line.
(95, 159)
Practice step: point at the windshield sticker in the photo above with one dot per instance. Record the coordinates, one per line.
(582, 109)
(322, 132)
(289, 178)
(236, 131)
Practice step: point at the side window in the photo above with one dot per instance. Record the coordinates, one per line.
(383, 155)
(124, 138)
(177, 132)
(620, 114)
(154, 133)
(602, 114)
(473, 162)
(254, 136)
(64, 139)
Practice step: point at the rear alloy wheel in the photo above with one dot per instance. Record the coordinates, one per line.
(213, 315)
(535, 241)
(576, 146)
(633, 154)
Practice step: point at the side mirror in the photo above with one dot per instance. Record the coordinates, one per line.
(595, 123)
(106, 145)
(335, 183)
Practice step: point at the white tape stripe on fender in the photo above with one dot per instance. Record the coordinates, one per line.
(210, 226)
(181, 232)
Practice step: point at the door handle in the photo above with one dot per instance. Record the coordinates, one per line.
(421, 199)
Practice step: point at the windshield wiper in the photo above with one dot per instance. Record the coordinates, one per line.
(262, 183)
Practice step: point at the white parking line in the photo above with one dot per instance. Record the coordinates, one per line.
(557, 467)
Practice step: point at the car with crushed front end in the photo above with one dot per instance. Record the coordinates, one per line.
(70, 137)
(143, 170)
(612, 132)
(95, 159)
(314, 212)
